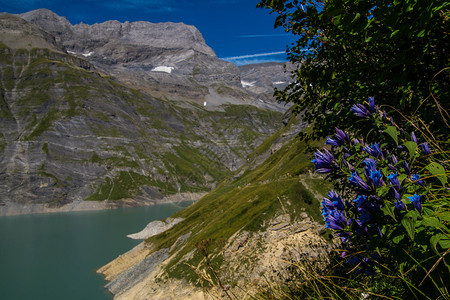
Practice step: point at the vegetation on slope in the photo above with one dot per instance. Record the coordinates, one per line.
(89, 122)
(393, 215)
(244, 203)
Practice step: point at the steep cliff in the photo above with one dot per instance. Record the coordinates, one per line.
(169, 60)
(70, 132)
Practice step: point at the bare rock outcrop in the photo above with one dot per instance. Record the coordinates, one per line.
(252, 262)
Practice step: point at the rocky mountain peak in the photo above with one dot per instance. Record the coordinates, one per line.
(142, 33)
(160, 35)
(49, 21)
(16, 33)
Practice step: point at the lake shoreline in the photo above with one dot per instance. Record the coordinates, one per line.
(16, 209)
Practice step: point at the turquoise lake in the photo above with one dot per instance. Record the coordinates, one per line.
(54, 256)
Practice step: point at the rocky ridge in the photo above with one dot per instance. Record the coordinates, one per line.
(168, 60)
(70, 132)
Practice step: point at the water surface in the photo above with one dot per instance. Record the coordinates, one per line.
(54, 256)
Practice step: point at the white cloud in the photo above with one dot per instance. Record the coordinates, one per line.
(257, 58)
(279, 56)
(253, 55)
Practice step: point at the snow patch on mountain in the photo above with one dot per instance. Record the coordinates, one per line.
(163, 69)
(247, 84)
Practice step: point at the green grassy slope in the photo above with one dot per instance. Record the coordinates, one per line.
(283, 182)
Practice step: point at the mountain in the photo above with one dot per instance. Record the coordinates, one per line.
(19, 34)
(74, 129)
(168, 60)
(262, 79)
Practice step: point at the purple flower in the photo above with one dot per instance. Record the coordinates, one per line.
(356, 180)
(337, 220)
(360, 110)
(400, 205)
(416, 179)
(360, 200)
(331, 141)
(372, 104)
(393, 159)
(425, 148)
(380, 233)
(374, 150)
(384, 117)
(413, 137)
(393, 177)
(405, 166)
(394, 193)
(334, 201)
(324, 161)
(370, 163)
(416, 202)
(341, 138)
(375, 178)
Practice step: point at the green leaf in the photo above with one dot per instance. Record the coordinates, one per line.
(395, 33)
(393, 132)
(434, 240)
(444, 216)
(421, 33)
(411, 146)
(409, 222)
(398, 238)
(388, 210)
(444, 242)
(432, 222)
(438, 171)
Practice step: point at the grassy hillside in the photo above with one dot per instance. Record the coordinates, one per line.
(282, 184)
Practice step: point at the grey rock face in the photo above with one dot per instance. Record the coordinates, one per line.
(70, 131)
(165, 59)
(137, 273)
(261, 80)
(15, 33)
(57, 26)
(169, 60)
(161, 35)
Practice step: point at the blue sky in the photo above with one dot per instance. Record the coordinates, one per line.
(234, 29)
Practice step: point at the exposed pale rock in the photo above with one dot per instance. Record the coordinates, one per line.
(252, 261)
(154, 228)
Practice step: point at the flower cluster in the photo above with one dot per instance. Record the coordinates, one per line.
(383, 185)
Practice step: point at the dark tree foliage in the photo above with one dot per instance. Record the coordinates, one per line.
(347, 50)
